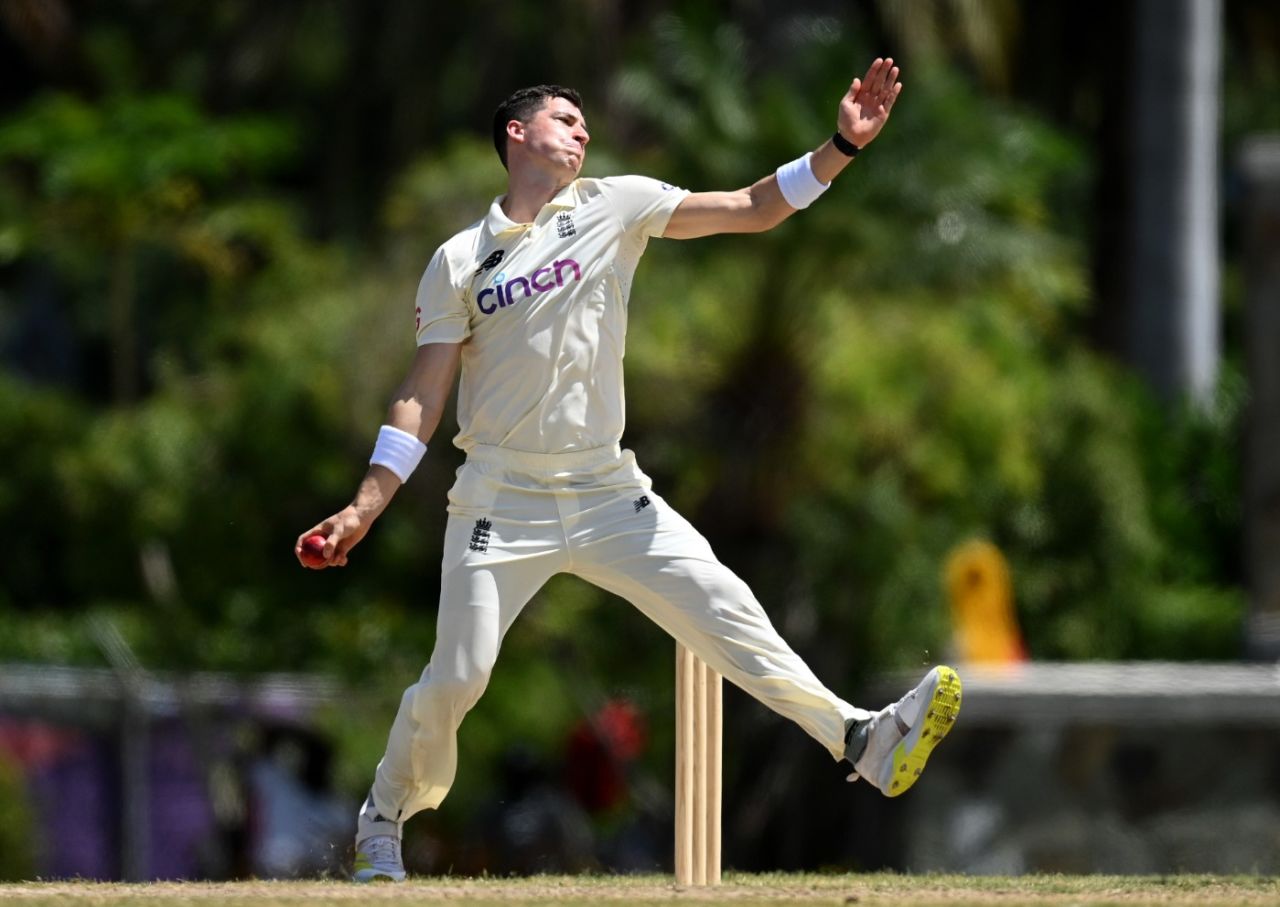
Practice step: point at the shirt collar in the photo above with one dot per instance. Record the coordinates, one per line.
(498, 222)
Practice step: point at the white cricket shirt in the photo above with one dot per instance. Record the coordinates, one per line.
(541, 311)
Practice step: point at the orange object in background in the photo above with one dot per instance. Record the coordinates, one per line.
(982, 615)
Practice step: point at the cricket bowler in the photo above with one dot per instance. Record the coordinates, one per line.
(529, 304)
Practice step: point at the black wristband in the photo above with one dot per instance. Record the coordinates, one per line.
(844, 146)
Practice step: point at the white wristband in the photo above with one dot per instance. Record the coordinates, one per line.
(397, 450)
(798, 184)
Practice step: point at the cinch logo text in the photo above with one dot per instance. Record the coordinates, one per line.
(504, 294)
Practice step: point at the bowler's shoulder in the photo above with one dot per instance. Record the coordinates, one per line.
(629, 184)
(461, 247)
(465, 239)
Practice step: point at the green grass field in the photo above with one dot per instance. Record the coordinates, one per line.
(909, 891)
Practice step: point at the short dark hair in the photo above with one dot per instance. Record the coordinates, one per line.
(521, 106)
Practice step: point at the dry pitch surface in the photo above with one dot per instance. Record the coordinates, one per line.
(738, 889)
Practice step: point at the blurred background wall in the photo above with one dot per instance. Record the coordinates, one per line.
(1041, 311)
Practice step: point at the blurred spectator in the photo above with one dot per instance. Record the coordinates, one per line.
(294, 813)
(534, 826)
(598, 752)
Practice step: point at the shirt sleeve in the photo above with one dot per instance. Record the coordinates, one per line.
(442, 314)
(644, 205)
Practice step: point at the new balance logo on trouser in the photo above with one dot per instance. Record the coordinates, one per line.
(528, 505)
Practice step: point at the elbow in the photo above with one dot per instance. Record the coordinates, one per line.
(767, 209)
(415, 413)
(769, 218)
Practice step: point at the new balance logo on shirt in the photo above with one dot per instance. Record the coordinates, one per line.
(491, 262)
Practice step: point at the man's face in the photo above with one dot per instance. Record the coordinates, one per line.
(555, 137)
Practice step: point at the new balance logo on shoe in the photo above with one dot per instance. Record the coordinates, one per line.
(480, 536)
(640, 503)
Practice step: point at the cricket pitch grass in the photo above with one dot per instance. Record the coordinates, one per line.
(738, 889)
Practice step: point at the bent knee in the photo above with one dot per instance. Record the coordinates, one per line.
(452, 696)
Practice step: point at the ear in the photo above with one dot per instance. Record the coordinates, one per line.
(515, 131)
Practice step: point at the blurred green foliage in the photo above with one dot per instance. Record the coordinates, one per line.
(837, 404)
(17, 861)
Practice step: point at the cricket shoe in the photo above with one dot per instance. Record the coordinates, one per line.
(900, 737)
(378, 857)
(378, 860)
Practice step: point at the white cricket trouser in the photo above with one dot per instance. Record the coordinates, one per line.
(515, 520)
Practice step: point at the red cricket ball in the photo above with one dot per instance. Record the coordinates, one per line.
(313, 551)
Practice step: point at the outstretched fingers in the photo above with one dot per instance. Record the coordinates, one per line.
(893, 95)
(869, 81)
(888, 73)
(864, 109)
(879, 86)
(887, 90)
(890, 81)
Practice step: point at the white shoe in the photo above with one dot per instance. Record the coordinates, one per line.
(902, 736)
(378, 860)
